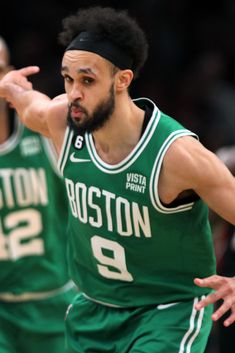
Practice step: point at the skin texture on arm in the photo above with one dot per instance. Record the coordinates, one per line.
(188, 165)
(36, 110)
(223, 286)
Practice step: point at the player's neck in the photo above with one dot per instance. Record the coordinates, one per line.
(120, 134)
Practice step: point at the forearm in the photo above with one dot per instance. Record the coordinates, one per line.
(220, 195)
(31, 107)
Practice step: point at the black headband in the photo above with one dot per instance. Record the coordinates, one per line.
(104, 47)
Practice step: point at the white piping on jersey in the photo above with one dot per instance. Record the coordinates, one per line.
(153, 185)
(193, 330)
(10, 297)
(166, 306)
(100, 302)
(14, 139)
(65, 149)
(51, 154)
(105, 167)
(130, 159)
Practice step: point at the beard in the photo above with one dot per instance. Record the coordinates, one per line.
(96, 120)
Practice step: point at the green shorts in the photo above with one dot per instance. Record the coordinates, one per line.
(15, 339)
(34, 326)
(171, 328)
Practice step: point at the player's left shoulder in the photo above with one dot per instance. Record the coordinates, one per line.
(184, 147)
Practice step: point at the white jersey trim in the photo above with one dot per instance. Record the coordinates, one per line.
(134, 154)
(10, 297)
(154, 178)
(11, 143)
(63, 155)
(100, 302)
(195, 325)
(51, 154)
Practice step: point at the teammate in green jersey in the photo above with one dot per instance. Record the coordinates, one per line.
(35, 290)
(138, 185)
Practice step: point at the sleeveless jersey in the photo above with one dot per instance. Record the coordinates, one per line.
(33, 219)
(126, 248)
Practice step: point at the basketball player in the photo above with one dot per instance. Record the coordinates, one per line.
(138, 185)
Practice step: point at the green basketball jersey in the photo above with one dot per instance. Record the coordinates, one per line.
(33, 219)
(126, 248)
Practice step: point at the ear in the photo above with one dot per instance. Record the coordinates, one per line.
(123, 79)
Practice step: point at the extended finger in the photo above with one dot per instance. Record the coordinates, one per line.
(226, 306)
(29, 70)
(209, 299)
(230, 320)
(210, 282)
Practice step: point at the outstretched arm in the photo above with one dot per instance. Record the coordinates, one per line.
(224, 289)
(17, 90)
(189, 166)
(35, 109)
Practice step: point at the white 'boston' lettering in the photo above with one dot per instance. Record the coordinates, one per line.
(108, 197)
(23, 187)
(101, 208)
(124, 226)
(95, 221)
(81, 195)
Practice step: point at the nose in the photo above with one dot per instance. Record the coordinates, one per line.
(75, 93)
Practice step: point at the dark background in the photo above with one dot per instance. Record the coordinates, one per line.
(190, 72)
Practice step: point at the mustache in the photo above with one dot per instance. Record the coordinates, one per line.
(76, 104)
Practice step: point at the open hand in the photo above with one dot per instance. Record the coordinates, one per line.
(224, 288)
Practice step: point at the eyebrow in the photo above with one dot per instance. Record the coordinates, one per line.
(82, 70)
(86, 70)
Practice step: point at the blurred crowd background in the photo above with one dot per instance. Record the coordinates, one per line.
(190, 71)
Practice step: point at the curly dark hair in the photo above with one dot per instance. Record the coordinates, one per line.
(112, 24)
